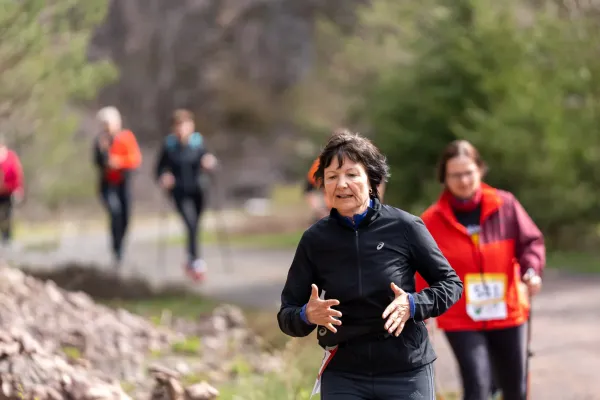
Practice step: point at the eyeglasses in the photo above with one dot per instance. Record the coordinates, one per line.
(459, 175)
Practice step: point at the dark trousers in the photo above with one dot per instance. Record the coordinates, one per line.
(411, 385)
(116, 200)
(6, 218)
(491, 356)
(190, 207)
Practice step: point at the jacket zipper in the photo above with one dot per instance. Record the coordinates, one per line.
(358, 262)
(360, 291)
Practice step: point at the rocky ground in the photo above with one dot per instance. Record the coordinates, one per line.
(56, 344)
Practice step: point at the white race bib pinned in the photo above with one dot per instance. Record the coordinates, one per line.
(486, 296)
(329, 353)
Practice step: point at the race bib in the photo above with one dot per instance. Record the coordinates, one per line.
(329, 353)
(486, 296)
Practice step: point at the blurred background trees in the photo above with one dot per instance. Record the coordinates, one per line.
(44, 75)
(518, 79)
(269, 80)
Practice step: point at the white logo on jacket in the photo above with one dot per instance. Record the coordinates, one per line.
(380, 246)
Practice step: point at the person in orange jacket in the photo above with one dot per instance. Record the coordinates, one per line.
(313, 193)
(499, 254)
(116, 155)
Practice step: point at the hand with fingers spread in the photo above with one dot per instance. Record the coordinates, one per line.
(398, 312)
(319, 312)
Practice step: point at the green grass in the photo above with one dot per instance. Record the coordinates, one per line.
(191, 345)
(158, 308)
(585, 262)
(278, 240)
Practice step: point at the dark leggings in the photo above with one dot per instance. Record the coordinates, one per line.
(495, 355)
(190, 208)
(6, 218)
(117, 203)
(415, 384)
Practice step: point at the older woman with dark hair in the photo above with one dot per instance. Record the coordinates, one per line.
(363, 258)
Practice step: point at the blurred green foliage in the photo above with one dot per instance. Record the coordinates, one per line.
(44, 77)
(518, 79)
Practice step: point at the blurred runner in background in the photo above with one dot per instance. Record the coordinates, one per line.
(11, 189)
(314, 195)
(181, 171)
(116, 155)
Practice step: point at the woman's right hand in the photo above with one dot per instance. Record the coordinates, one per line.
(167, 180)
(319, 312)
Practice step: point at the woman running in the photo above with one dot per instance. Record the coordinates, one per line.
(181, 171)
(116, 155)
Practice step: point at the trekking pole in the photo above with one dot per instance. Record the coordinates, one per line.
(162, 225)
(220, 228)
(529, 353)
(528, 349)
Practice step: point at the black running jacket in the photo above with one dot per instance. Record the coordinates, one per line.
(356, 265)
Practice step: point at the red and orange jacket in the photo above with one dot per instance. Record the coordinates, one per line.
(11, 174)
(123, 150)
(491, 265)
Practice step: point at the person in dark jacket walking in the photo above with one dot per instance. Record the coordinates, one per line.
(353, 280)
(181, 172)
(116, 155)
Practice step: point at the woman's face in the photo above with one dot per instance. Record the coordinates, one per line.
(347, 187)
(463, 177)
(112, 127)
(183, 129)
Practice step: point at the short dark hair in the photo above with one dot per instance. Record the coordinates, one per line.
(359, 149)
(459, 148)
(181, 115)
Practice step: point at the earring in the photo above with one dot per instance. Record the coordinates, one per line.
(371, 191)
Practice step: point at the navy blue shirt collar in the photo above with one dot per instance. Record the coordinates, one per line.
(357, 218)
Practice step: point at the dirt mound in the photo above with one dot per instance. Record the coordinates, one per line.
(100, 283)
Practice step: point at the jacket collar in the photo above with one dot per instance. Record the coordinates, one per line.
(490, 203)
(364, 219)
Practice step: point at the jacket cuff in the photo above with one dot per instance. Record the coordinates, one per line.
(411, 302)
(303, 315)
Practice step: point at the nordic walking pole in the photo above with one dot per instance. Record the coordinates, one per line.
(529, 353)
(221, 231)
(162, 224)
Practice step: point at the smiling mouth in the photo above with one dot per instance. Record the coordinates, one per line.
(343, 196)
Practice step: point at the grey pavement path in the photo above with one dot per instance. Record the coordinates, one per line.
(250, 277)
(566, 339)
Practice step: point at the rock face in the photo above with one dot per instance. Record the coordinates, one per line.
(56, 344)
(70, 323)
(230, 61)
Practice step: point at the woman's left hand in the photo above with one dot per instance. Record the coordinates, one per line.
(208, 161)
(398, 312)
(533, 282)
